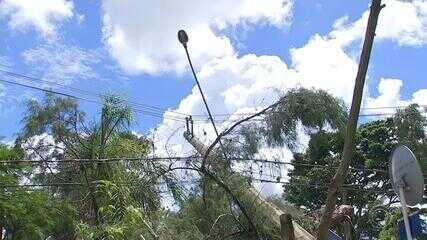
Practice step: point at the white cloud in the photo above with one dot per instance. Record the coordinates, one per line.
(2, 96)
(324, 64)
(236, 84)
(9, 101)
(239, 84)
(62, 63)
(390, 95)
(142, 35)
(44, 15)
(231, 84)
(402, 22)
(420, 97)
(244, 84)
(34, 143)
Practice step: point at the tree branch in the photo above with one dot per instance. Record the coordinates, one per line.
(227, 131)
(207, 173)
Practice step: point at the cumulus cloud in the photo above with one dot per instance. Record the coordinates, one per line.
(44, 15)
(141, 35)
(324, 64)
(420, 97)
(401, 22)
(236, 84)
(63, 63)
(241, 84)
(245, 84)
(231, 85)
(390, 95)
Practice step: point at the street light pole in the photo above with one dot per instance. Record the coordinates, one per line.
(183, 39)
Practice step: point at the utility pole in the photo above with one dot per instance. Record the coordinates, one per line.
(338, 179)
(276, 213)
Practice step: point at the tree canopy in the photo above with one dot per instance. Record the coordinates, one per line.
(70, 177)
(367, 187)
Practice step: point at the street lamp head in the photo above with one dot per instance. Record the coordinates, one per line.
(183, 37)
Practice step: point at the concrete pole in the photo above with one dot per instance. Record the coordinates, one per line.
(275, 212)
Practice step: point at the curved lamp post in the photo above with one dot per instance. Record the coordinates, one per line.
(183, 39)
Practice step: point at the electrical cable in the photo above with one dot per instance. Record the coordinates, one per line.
(149, 113)
(90, 93)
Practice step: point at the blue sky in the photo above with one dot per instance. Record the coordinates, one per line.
(245, 52)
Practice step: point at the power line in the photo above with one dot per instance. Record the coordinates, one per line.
(251, 113)
(264, 120)
(46, 90)
(180, 158)
(304, 164)
(262, 180)
(104, 160)
(96, 183)
(146, 109)
(148, 113)
(349, 187)
(90, 93)
(150, 110)
(186, 158)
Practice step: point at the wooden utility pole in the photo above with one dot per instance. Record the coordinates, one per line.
(299, 232)
(347, 153)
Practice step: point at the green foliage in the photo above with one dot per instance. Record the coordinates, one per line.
(7, 153)
(368, 189)
(127, 145)
(29, 214)
(122, 199)
(121, 216)
(54, 115)
(315, 109)
(389, 230)
(116, 200)
(299, 109)
(214, 216)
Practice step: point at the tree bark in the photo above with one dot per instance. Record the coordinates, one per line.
(347, 153)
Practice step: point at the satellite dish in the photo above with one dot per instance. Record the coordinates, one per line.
(406, 173)
(407, 180)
